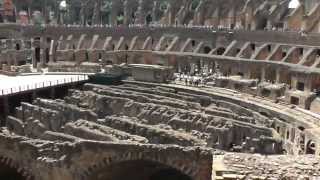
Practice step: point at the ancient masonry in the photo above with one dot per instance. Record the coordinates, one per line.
(257, 117)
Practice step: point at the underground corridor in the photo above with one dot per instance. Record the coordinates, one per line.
(10, 173)
(138, 170)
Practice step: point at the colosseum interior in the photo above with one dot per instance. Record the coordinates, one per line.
(160, 89)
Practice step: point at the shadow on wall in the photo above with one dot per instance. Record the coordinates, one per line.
(9, 173)
(148, 170)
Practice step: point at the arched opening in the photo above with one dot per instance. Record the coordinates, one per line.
(9, 173)
(87, 56)
(47, 55)
(17, 46)
(240, 74)
(253, 47)
(126, 47)
(206, 49)
(109, 62)
(120, 18)
(262, 23)
(195, 4)
(37, 54)
(311, 147)
(148, 170)
(148, 19)
(99, 56)
(269, 48)
(221, 50)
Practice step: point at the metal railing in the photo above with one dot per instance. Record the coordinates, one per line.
(43, 84)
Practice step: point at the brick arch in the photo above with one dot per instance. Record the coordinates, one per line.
(130, 156)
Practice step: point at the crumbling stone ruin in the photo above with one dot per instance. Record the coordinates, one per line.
(210, 90)
(196, 134)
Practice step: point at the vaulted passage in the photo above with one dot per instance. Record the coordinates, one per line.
(138, 170)
(9, 173)
(169, 174)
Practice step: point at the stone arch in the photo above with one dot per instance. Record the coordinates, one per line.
(311, 147)
(9, 169)
(154, 159)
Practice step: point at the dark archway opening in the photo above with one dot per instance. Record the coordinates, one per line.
(17, 46)
(311, 147)
(47, 55)
(37, 54)
(221, 50)
(193, 43)
(1, 19)
(9, 173)
(148, 19)
(262, 24)
(138, 170)
(169, 174)
(120, 18)
(207, 49)
(126, 47)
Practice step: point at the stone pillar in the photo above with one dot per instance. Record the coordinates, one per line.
(43, 46)
(14, 57)
(278, 75)
(141, 13)
(169, 14)
(52, 51)
(42, 58)
(8, 57)
(192, 68)
(294, 81)
(308, 84)
(263, 74)
(247, 74)
(83, 14)
(114, 11)
(23, 45)
(179, 66)
(154, 10)
(4, 44)
(96, 13)
(231, 16)
(126, 13)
